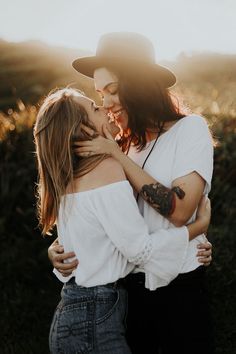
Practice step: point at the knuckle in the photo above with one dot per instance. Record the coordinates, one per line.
(57, 259)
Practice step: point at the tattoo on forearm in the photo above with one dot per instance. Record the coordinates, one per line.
(161, 198)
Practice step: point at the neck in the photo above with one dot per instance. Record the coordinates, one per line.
(151, 134)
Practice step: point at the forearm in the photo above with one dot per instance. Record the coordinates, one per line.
(135, 174)
(196, 228)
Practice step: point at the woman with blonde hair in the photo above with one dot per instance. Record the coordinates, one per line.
(91, 203)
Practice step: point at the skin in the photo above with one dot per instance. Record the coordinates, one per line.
(106, 84)
(98, 116)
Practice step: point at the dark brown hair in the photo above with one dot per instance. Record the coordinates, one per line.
(147, 103)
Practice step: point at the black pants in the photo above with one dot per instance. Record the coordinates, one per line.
(171, 319)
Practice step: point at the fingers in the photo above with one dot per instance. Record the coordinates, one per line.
(54, 250)
(83, 143)
(84, 154)
(106, 132)
(85, 151)
(205, 261)
(205, 249)
(66, 273)
(87, 130)
(58, 264)
(205, 253)
(205, 245)
(58, 259)
(64, 256)
(66, 268)
(204, 204)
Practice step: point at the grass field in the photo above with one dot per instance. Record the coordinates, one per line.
(29, 292)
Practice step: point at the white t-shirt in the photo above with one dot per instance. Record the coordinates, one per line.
(186, 147)
(104, 228)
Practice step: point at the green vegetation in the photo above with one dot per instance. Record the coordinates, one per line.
(29, 291)
(30, 70)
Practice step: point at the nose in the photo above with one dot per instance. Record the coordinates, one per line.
(101, 108)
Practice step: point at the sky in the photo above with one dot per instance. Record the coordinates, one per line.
(174, 26)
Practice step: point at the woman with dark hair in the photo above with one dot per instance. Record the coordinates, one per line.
(167, 156)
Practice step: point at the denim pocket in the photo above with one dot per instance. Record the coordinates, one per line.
(106, 304)
(72, 329)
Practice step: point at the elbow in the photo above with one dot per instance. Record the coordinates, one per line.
(179, 220)
(178, 223)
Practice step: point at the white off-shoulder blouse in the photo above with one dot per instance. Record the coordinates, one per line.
(105, 229)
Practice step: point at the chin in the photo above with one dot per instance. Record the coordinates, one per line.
(114, 130)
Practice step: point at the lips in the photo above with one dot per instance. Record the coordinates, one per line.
(114, 128)
(111, 120)
(116, 116)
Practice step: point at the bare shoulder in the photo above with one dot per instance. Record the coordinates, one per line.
(106, 172)
(110, 170)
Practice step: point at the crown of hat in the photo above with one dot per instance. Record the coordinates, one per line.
(131, 46)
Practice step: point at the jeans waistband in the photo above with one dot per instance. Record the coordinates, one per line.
(115, 285)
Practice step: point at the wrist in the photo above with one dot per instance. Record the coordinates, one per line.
(116, 151)
(203, 223)
(196, 228)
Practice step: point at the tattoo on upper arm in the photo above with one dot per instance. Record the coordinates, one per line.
(161, 198)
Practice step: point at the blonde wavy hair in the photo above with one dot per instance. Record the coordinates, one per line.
(58, 125)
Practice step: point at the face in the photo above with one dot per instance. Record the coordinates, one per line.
(98, 116)
(106, 84)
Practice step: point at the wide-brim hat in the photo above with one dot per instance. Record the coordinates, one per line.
(125, 50)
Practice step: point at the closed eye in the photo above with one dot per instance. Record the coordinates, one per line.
(113, 92)
(94, 107)
(101, 96)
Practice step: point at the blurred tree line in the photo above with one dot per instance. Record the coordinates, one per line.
(29, 290)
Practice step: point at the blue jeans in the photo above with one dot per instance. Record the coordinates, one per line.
(90, 320)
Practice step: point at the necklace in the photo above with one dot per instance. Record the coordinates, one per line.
(144, 163)
(148, 155)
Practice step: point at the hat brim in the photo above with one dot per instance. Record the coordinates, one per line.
(87, 65)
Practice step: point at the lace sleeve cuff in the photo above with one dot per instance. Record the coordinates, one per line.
(143, 257)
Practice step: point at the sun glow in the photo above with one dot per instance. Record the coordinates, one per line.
(173, 26)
